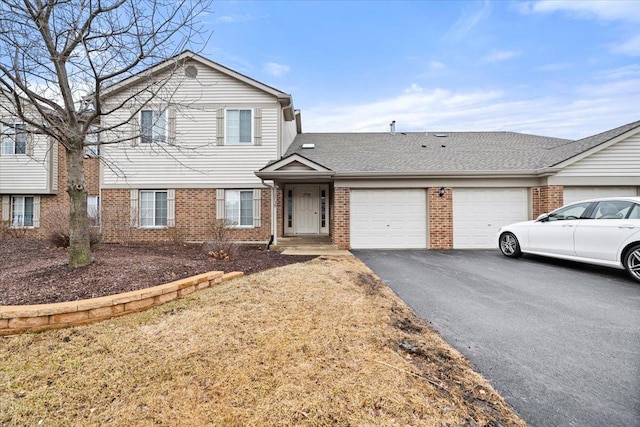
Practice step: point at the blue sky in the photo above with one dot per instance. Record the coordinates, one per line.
(558, 68)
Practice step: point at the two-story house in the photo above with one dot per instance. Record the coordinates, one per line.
(187, 156)
(33, 177)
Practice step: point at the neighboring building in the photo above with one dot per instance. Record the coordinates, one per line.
(33, 178)
(442, 190)
(213, 146)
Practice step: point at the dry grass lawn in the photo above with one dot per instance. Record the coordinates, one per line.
(321, 343)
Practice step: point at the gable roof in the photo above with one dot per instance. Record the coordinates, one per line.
(426, 153)
(285, 99)
(575, 150)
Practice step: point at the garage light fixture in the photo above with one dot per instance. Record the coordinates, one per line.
(441, 192)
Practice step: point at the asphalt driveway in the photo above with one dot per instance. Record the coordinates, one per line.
(560, 341)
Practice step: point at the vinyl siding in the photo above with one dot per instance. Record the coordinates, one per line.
(195, 160)
(621, 159)
(23, 174)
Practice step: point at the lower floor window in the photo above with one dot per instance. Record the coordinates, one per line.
(22, 211)
(93, 210)
(153, 208)
(239, 207)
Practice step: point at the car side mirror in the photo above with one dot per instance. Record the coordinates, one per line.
(542, 218)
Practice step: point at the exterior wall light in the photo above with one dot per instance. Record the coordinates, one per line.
(441, 192)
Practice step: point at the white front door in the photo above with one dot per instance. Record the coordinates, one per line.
(306, 209)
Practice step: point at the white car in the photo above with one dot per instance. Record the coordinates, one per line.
(600, 231)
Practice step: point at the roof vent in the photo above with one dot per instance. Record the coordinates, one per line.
(308, 146)
(392, 125)
(440, 135)
(191, 71)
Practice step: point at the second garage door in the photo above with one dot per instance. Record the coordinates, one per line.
(575, 194)
(478, 214)
(388, 219)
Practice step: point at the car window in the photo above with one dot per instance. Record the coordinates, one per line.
(612, 209)
(635, 212)
(569, 212)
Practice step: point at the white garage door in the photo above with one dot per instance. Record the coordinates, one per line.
(393, 219)
(478, 214)
(575, 194)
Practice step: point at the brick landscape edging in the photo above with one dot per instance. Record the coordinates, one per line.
(15, 319)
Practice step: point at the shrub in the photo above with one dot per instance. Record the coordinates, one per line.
(60, 229)
(220, 246)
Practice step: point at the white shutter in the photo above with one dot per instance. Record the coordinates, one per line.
(134, 128)
(171, 113)
(219, 204)
(220, 127)
(257, 203)
(171, 208)
(6, 207)
(257, 126)
(36, 211)
(134, 208)
(30, 144)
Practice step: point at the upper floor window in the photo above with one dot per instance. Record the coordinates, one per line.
(153, 208)
(22, 211)
(14, 138)
(153, 126)
(92, 143)
(239, 127)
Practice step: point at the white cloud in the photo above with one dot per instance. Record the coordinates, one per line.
(499, 56)
(436, 65)
(632, 70)
(468, 20)
(554, 67)
(232, 19)
(605, 10)
(275, 69)
(589, 110)
(630, 48)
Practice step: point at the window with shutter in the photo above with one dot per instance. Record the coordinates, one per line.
(239, 127)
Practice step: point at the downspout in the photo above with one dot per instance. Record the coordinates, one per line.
(273, 240)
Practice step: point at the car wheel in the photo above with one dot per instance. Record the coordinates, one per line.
(632, 262)
(509, 245)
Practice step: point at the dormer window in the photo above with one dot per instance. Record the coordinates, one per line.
(14, 138)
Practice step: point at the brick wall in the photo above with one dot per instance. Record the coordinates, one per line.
(54, 208)
(546, 198)
(341, 217)
(440, 219)
(195, 217)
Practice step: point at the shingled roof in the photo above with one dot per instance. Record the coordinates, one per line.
(442, 152)
(420, 152)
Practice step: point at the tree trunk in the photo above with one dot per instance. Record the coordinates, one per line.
(79, 249)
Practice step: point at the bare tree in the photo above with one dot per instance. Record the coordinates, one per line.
(58, 58)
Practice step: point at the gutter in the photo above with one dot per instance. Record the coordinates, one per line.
(287, 107)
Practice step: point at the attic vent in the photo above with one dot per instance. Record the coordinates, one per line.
(308, 146)
(191, 71)
(440, 135)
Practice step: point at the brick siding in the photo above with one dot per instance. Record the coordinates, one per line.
(341, 218)
(546, 198)
(194, 221)
(440, 219)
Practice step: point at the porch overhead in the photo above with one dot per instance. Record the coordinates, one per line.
(295, 168)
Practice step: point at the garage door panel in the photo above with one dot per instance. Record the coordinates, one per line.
(478, 214)
(388, 218)
(576, 194)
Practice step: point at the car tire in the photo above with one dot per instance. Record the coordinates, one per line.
(631, 262)
(509, 245)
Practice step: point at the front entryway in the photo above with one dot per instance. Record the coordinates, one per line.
(306, 210)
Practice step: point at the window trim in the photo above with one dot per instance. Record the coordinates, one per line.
(226, 129)
(141, 137)
(12, 212)
(93, 221)
(140, 225)
(11, 137)
(239, 218)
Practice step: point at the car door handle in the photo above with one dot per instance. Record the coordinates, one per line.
(567, 225)
(627, 226)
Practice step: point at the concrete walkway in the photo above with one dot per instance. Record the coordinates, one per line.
(301, 250)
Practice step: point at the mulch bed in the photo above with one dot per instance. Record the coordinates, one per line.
(34, 272)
